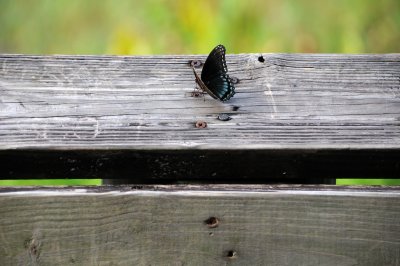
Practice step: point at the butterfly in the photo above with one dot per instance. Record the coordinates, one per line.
(214, 78)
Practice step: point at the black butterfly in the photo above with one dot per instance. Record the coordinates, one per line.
(214, 78)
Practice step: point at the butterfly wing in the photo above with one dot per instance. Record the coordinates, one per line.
(221, 87)
(215, 77)
(215, 64)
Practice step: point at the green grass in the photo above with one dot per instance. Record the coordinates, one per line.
(192, 26)
(368, 182)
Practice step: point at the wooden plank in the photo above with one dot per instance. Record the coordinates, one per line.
(292, 105)
(166, 225)
(290, 101)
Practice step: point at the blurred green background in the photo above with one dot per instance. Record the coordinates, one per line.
(195, 27)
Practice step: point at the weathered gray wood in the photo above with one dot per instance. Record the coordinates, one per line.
(290, 100)
(165, 225)
(306, 102)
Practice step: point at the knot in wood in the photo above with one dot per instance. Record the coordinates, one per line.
(232, 254)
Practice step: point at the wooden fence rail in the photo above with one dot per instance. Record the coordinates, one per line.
(200, 225)
(293, 116)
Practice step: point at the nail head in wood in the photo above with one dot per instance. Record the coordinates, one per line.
(224, 117)
(195, 63)
(201, 124)
(196, 94)
(235, 80)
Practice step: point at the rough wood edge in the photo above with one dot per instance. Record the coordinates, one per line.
(81, 190)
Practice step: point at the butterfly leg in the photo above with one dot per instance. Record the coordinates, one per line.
(197, 92)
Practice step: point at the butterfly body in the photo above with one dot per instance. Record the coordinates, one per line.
(214, 78)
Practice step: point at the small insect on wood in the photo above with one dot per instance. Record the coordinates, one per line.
(214, 76)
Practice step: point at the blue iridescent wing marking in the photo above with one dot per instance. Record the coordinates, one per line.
(214, 75)
(221, 86)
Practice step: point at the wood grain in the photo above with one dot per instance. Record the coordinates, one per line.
(165, 225)
(301, 102)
